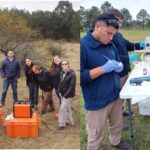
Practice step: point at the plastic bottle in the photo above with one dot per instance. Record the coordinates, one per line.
(144, 71)
(145, 68)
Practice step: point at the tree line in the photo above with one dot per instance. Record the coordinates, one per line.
(61, 23)
(88, 17)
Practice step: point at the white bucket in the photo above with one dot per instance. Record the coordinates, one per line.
(144, 106)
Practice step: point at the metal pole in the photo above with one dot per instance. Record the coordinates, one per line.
(130, 123)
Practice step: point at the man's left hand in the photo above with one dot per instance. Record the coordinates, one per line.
(142, 44)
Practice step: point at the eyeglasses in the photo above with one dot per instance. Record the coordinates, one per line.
(64, 64)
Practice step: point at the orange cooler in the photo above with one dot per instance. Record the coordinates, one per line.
(23, 127)
(36, 115)
(22, 109)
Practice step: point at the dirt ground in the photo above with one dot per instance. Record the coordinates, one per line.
(49, 136)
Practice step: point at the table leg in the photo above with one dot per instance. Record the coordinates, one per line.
(130, 123)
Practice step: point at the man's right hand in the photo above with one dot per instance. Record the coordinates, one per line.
(110, 65)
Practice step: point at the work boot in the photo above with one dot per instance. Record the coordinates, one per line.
(43, 111)
(70, 123)
(123, 145)
(125, 113)
(60, 127)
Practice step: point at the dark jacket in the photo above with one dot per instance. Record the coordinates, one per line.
(67, 85)
(45, 80)
(10, 69)
(30, 75)
(105, 89)
(56, 75)
(123, 47)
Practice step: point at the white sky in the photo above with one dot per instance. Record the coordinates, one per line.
(32, 5)
(134, 6)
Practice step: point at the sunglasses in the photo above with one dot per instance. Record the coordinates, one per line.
(110, 22)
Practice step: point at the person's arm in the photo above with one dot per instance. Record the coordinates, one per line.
(25, 71)
(132, 46)
(26, 74)
(59, 83)
(71, 86)
(18, 70)
(86, 74)
(96, 72)
(50, 77)
(2, 68)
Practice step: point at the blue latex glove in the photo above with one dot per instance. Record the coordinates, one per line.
(120, 67)
(110, 66)
(142, 44)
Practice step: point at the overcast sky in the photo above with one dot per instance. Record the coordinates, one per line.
(33, 5)
(134, 6)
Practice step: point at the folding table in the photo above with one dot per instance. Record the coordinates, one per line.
(132, 94)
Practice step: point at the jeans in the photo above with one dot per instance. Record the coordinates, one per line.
(6, 83)
(58, 96)
(33, 93)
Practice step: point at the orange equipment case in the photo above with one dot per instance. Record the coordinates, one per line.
(23, 127)
(0, 116)
(22, 109)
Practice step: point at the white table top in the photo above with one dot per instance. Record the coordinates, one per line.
(136, 93)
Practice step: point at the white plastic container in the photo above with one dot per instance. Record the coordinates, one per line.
(144, 106)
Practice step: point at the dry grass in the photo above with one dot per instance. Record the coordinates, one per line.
(49, 137)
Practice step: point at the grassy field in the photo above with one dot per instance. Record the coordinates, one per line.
(141, 123)
(49, 137)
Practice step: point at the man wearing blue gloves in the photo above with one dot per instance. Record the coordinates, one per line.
(100, 83)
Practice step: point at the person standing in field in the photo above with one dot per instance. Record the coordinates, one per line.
(55, 68)
(66, 88)
(32, 83)
(10, 72)
(100, 82)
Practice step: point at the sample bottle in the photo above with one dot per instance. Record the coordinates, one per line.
(145, 67)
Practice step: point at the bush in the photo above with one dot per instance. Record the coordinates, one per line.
(56, 49)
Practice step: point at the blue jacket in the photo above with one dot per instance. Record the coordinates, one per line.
(103, 90)
(123, 47)
(10, 69)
